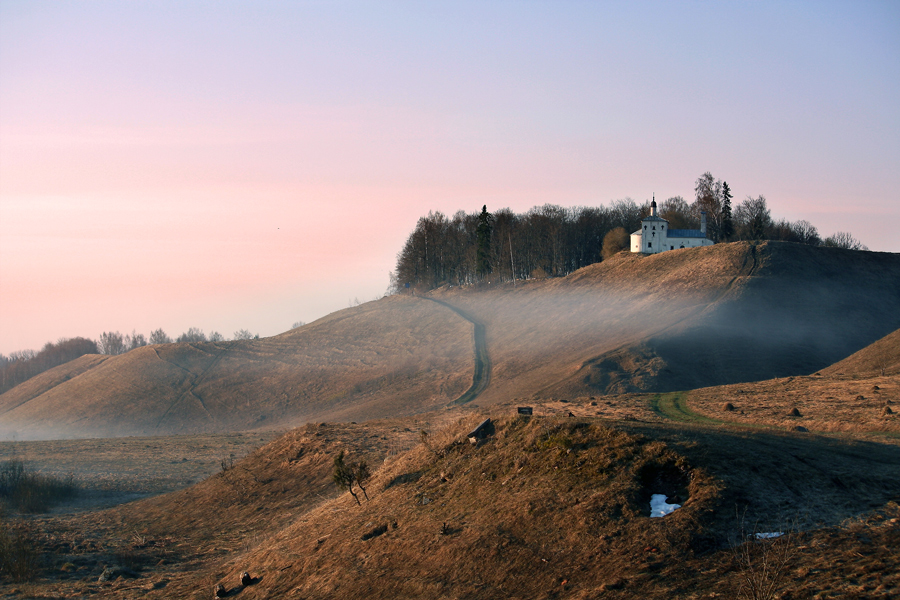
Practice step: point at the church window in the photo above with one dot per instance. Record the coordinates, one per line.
(649, 244)
(645, 227)
(671, 247)
(654, 228)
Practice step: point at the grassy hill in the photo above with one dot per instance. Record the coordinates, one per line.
(684, 319)
(674, 321)
(552, 506)
(547, 507)
(880, 358)
(397, 355)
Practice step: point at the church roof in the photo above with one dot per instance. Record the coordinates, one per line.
(685, 233)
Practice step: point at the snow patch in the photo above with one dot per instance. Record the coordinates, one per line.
(771, 534)
(659, 507)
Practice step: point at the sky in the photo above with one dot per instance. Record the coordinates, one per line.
(247, 165)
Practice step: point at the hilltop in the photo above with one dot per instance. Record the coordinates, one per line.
(678, 320)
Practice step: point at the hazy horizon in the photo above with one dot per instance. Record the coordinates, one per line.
(245, 166)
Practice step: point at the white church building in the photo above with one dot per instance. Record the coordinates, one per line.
(655, 236)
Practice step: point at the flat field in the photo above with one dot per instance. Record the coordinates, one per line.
(114, 470)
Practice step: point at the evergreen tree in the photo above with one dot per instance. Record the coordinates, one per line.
(483, 240)
(726, 228)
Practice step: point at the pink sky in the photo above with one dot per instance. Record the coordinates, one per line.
(248, 165)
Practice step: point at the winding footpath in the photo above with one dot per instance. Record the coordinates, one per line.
(481, 378)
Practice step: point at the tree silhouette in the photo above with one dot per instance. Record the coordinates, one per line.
(483, 233)
(361, 475)
(158, 336)
(726, 224)
(343, 476)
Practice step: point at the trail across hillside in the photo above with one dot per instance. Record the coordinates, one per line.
(673, 406)
(481, 378)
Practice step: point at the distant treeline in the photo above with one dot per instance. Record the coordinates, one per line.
(552, 241)
(25, 364)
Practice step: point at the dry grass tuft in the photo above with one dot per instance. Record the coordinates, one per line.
(19, 552)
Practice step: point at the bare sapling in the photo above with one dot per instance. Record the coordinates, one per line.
(763, 561)
(343, 476)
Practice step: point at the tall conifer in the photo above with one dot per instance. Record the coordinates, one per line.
(483, 240)
(726, 229)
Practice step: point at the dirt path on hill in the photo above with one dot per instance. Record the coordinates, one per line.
(481, 378)
(673, 407)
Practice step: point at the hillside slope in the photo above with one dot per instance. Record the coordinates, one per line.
(684, 319)
(397, 355)
(880, 358)
(543, 508)
(680, 320)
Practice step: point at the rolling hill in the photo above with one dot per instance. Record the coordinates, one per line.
(679, 320)
(684, 319)
(397, 355)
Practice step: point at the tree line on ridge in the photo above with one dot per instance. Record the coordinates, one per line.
(22, 365)
(552, 241)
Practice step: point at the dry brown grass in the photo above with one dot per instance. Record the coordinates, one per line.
(398, 355)
(878, 359)
(826, 404)
(108, 469)
(673, 321)
(548, 507)
(683, 319)
(555, 506)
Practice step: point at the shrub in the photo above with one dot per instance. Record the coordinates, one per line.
(763, 560)
(32, 492)
(19, 555)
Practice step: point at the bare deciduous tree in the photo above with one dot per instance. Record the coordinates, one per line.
(843, 239)
(112, 343)
(193, 334)
(343, 476)
(676, 211)
(753, 218)
(361, 475)
(135, 340)
(158, 336)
